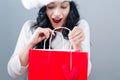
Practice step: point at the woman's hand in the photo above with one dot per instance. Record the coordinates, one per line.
(39, 35)
(76, 36)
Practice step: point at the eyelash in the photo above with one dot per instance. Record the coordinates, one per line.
(63, 7)
(50, 7)
(54, 7)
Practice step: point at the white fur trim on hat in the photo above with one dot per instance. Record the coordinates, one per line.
(29, 4)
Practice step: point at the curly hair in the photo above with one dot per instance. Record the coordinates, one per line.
(43, 21)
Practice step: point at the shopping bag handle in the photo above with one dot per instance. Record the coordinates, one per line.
(54, 30)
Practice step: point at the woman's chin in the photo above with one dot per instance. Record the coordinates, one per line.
(56, 26)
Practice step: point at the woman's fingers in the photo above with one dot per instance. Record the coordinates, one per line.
(77, 39)
(40, 34)
(76, 36)
(43, 32)
(77, 31)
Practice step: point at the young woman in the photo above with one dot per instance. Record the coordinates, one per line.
(52, 14)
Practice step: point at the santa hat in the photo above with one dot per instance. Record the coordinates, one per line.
(29, 4)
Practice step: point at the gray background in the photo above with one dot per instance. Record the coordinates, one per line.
(103, 17)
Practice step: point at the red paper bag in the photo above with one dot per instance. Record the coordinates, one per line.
(55, 65)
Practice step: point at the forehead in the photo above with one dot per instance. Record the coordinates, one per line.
(59, 2)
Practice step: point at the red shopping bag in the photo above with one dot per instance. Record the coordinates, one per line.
(57, 65)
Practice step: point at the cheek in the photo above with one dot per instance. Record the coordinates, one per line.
(66, 14)
(48, 14)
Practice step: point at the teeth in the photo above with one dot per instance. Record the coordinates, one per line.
(56, 19)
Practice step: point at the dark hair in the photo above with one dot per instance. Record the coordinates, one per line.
(43, 21)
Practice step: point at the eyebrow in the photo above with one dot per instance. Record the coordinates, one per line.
(65, 1)
(61, 3)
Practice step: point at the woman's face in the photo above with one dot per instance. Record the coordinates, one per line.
(57, 13)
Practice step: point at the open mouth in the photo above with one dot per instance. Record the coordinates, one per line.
(56, 20)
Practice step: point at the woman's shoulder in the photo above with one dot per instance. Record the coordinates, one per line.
(83, 23)
(28, 24)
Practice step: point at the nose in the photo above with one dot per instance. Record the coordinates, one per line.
(57, 13)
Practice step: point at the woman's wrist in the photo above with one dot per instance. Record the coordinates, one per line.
(78, 47)
(30, 44)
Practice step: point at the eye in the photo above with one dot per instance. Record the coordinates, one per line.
(63, 7)
(51, 7)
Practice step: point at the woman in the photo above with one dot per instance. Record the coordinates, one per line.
(52, 14)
